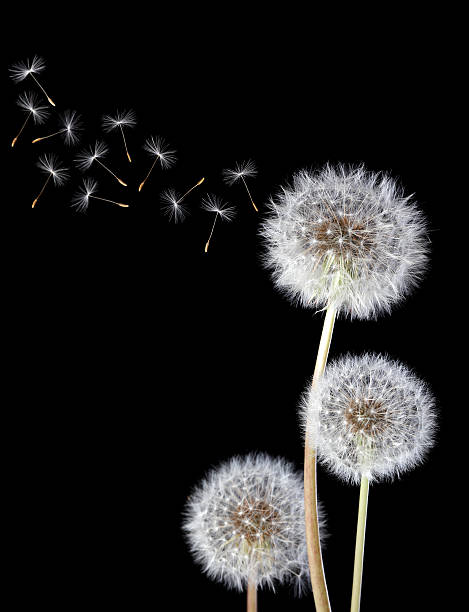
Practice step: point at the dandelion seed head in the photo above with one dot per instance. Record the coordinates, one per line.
(214, 204)
(241, 170)
(29, 102)
(348, 237)
(369, 416)
(50, 164)
(156, 146)
(125, 118)
(173, 208)
(86, 158)
(246, 521)
(20, 70)
(81, 199)
(72, 126)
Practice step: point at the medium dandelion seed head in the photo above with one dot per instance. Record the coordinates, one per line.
(214, 204)
(241, 170)
(173, 208)
(120, 119)
(156, 146)
(20, 70)
(50, 164)
(246, 522)
(72, 126)
(81, 199)
(86, 158)
(370, 416)
(29, 102)
(348, 237)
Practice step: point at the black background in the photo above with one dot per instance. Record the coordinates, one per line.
(150, 361)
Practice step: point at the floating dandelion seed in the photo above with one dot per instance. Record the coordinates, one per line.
(348, 241)
(86, 192)
(241, 171)
(370, 418)
(174, 208)
(50, 165)
(214, 204)
(118, 122)
(29, 102)
(71, 127)
(20, 70)
(245, 525)
(157, 147)
(93, 154)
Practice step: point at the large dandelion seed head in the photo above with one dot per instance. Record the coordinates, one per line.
(157, 147)
(50, 164)
(245, 522)
(20, 70)
(369, 416)
(347, 237)
(30, 103)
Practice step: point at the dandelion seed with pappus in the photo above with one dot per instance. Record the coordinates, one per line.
(370, 418)
(117, 122)
(86, 192)
(29, 103)
(245, 525)
(157, 148)
(94, 153)
(50, 165)
(214, 204)
(350, 242)
(21, 70)
(241, 172)
(173, 206)
(71, 126)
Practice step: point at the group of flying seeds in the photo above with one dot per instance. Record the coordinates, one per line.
(70, 127)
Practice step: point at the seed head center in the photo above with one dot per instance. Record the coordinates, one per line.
(255, 519)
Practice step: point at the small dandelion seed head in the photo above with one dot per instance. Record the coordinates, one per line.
(214, 204)
(125, 118)
(348, 237)
(241, 170)
(81, 199)
(157, 147)
(50, 164)
(86, 158)
(20, 70)
(30, 102)
(72, 126)
(246, 522)
(369, 416)
(173, 208)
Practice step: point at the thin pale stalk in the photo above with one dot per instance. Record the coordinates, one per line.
(125, 144)
(149, 172)
(209, 238)
(318, 579)
(19, 133)
(360, 545)
(249, 194)
(49, 136)
(44, 91)
(110, 201)
(189, 190)
(111, 172)
(252, 597)
(40, 193)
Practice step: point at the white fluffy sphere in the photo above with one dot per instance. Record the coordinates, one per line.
(369, 415)
(347, 237)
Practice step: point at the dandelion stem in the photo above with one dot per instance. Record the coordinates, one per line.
(111, 172)
(189, 190)
(125, 144)
(209, 238)
(49, 136)
(19, 133)
(252, 597)
(249, 194)
(318, 579)
(44, 91)
(40, 193)
(360, 545)
(110, 201)
(149, 172)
